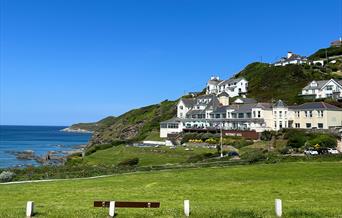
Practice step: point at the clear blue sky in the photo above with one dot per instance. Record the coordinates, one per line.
(72, 61)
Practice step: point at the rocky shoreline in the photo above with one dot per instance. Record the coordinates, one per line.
(55, 158)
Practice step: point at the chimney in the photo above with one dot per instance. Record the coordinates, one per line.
(289, 54)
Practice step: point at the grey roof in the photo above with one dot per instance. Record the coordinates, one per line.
(188, 102)
(292, 58)
(222, 109)
(225, 94)
(191, 112)
(172, 120)
(316, 105)
(214, 81)
(231, 81)
(263, 105)
(320, 84)
(280, 103)
(243, 108)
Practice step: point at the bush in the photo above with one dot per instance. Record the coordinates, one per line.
(254, 156)
(242, 143)
(323, 140)
(6, 176)
(199, 157)
(296, 139)
(266, 135)
(129, 162)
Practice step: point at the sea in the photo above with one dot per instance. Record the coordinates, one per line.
(39, 139)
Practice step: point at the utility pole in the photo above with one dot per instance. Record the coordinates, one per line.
(221, 139)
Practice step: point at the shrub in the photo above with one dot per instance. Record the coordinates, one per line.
(199, 157)
(242, 143)
(296, 139)
(323, 140)
(254, 156)
(6, 176)
(266, 135)
(284, 150)
(129, 162)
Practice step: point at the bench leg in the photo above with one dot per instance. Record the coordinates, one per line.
(29, 209)
(187, 208)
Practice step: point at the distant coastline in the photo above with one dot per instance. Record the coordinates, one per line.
(69, 129)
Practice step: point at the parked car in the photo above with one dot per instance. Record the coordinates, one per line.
(332, 151)
(310, 152)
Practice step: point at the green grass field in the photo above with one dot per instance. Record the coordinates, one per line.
(308, 189)
(146, 155)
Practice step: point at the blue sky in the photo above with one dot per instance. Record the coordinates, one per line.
(72, 61)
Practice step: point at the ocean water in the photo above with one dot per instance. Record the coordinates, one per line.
(40, 139)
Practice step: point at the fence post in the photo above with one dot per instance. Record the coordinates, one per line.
(112, 209)
(29, 209)
(187, 208)
(278, 207)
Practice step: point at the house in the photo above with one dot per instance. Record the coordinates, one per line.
(233, 87)
(323, 89)
(318, 115)
(209, 112)
(291, 58)
(336, 43)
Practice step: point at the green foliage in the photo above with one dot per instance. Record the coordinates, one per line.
(254, 156)
(241, 143)
(321, 53)
(266, 135)
(199, 157)
(129, 162)
(323, 140)
(267, 82)
(296, 138)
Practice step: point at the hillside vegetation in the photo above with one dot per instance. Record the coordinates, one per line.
(269, 83)
(307, 189)
(134, 125)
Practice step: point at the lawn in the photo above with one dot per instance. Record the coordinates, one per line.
(308, 189)
(146, 155)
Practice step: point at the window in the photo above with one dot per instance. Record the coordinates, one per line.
(275, 124)
(310, 113)
(259, 114)
(306, 114)
(329, 88)
(280, 124)
(297, 113)
(297, 125)
(224, 115)
(217, 116)
(173, 125)
(320, 125)
(280, 114)
(285, 114)
(254, 114)
(181, 114)
(181, 107)
(275, 113)
(320, 113)
(241, 115)
(163, 125)
(308, 125)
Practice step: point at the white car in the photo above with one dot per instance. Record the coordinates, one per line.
(311, 152)
(332, 151)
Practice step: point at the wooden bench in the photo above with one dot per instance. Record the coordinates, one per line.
(125, 204)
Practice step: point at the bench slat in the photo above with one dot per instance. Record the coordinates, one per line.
(128, 204)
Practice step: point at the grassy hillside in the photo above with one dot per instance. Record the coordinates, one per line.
(307, 190)
(147, 155)
(96, 125)
(136, 124)
(322, 53)
(269, 83)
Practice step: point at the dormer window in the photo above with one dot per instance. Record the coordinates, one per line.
(313, 84)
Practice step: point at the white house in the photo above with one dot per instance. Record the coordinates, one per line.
(210, 112)
(323, 89)
(233, 87)
(291, 58)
